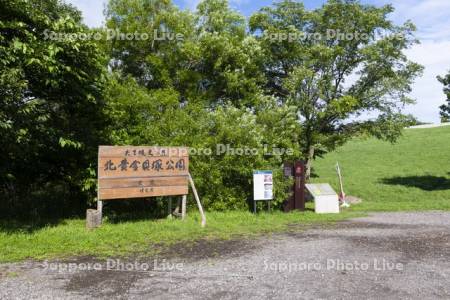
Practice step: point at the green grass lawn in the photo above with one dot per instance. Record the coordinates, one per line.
(70, 238)
(413, 174)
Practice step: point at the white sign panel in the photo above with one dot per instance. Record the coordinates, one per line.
(262, 185)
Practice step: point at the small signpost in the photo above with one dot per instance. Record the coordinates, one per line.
(126, 172)
(262, 187)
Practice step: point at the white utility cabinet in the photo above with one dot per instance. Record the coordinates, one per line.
(326, 200)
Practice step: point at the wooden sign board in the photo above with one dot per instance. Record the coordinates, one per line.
(139, 172)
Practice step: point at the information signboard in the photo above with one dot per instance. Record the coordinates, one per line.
(262, 185)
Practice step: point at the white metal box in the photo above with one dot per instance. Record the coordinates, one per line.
(326, 200)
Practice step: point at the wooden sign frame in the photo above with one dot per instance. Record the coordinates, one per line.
(127, 172)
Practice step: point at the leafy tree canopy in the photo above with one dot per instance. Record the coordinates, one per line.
(445, 108)
(334, 64)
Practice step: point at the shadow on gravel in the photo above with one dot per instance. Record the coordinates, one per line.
(427, 183)
(103, 283)
(117, 284)
(412, 248)
(204, 249)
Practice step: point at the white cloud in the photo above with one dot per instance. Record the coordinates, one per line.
(432, 18)
(427, 90)
(427, 12)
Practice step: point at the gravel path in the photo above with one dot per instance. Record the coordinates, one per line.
(385, 255)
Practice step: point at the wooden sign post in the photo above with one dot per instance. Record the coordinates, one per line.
(138, 172)
(296, 200)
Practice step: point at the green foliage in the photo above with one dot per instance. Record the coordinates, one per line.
(445, 108)
(223, 178)
(214, 63)
(51, 109)
(332, 79)
(203, 92)
(206, 79)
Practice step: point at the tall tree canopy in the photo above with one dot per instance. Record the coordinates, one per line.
(213, 63)
(211, 94)
(334, 64)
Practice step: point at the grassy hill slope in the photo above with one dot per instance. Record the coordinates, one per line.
(413, 174)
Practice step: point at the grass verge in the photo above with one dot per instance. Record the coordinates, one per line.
(70, 238)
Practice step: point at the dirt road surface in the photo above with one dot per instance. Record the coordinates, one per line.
(382, 256)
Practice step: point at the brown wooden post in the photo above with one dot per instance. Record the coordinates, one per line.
(299, 188)
(288, 170)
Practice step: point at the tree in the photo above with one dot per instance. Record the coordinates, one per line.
(334, 64)
(228, 58)
(445, 108)
(153, 55)
(215, 62)
(51, 107)
(154, 117)
(203, 92)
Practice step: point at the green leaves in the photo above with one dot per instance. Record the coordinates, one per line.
(66, 143)
(348, 60)
(445, 108)
(215, 16)
(343, 106)
(51, 112)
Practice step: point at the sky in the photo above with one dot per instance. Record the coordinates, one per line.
(432, 18)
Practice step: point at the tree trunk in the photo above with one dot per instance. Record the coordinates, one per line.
(309, 160)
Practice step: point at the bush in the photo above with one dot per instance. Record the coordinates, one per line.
(226, 144)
